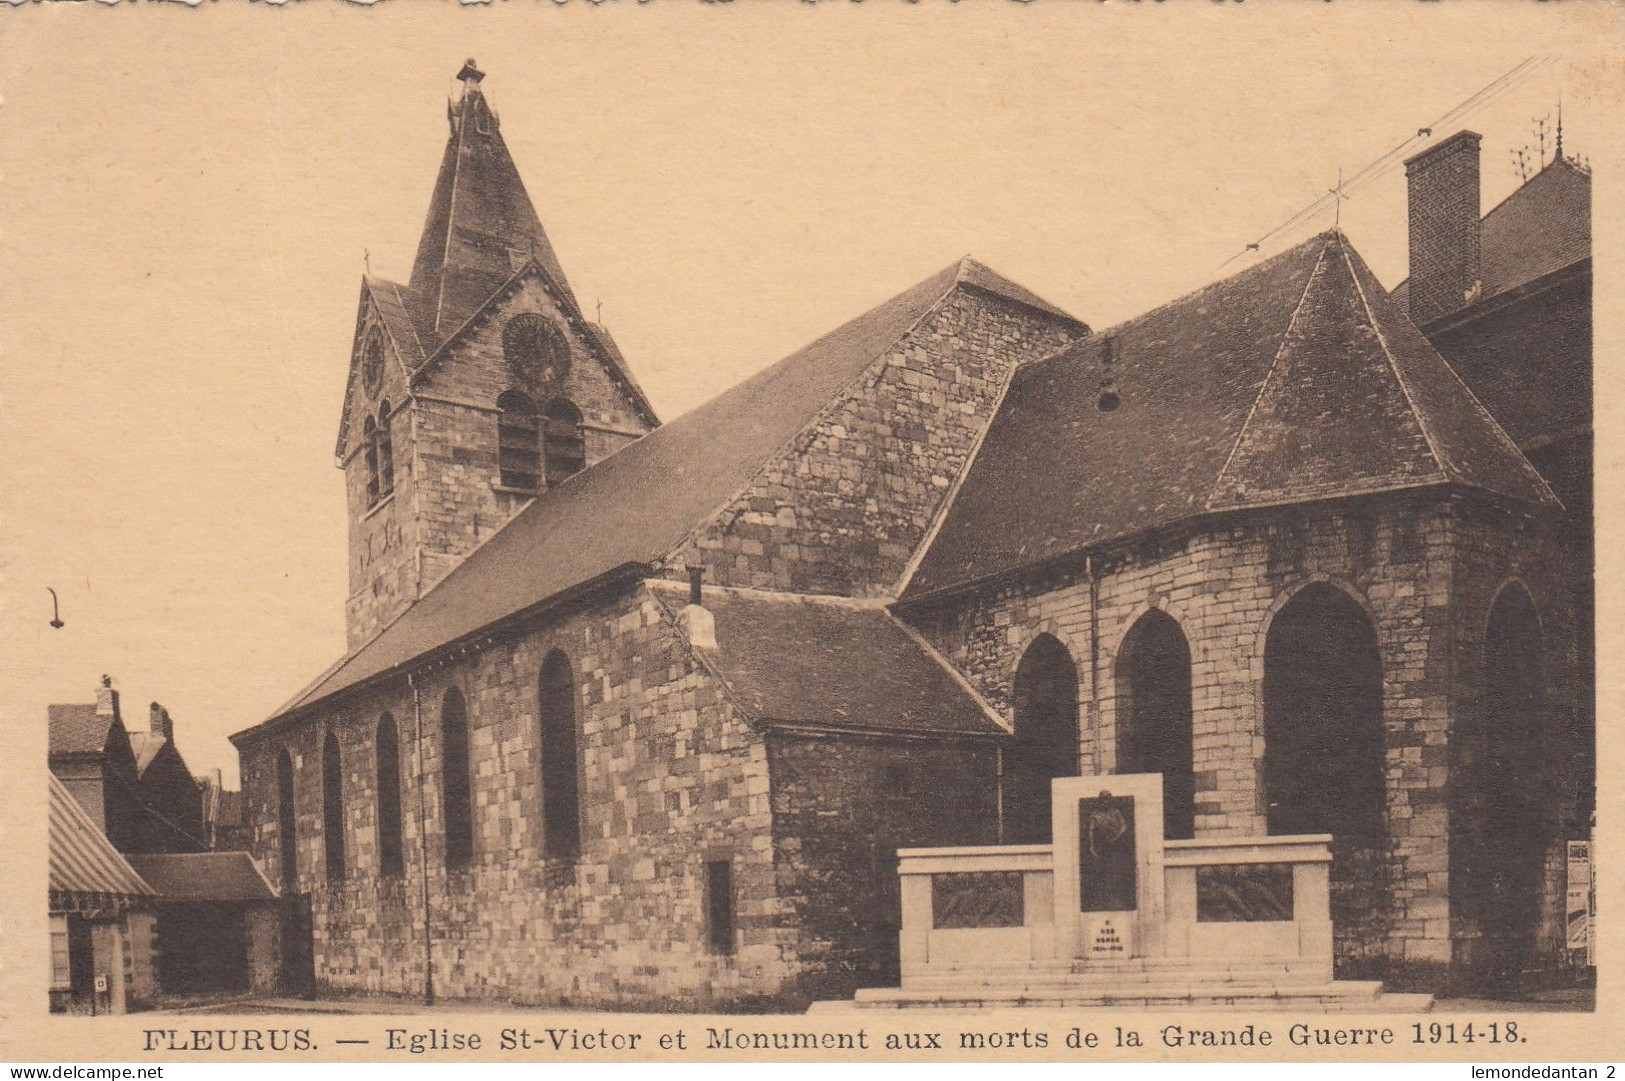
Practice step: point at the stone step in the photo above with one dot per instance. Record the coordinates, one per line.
(1364, 996)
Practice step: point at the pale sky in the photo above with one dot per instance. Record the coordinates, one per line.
(189, 195)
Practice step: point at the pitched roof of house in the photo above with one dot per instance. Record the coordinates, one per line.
(81, 858)
(641, 502)
(145, 746)
(831, 662)
(1297, 379)
(1542, 227)
(204, 876)
(78, 729)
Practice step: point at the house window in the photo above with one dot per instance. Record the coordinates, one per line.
(518, 442)
(561, 791)
(333, 806)
(455, 782)
(566, 450)
(390, 861)
(369, 439)
(386, 452)
(61, 978)
(719, 906)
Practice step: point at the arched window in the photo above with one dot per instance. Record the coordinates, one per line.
(333, 806)
(1046, 743)
(456, 783)
(287, 829)
(518, 442)
(561, 771)
(388, 752)
(566, 450)
(1324, 768)
(1154, 723)
(534, 349)
(1501, 823)
(386, 452)
(369, 437)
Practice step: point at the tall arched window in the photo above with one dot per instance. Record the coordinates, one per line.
(456, 783)
(519, 442)
(386, 452)
(1501, 823)
(1154, 723)
(561, 769)
(1324, 767)
(333, 806)
(287, 829)
(369, 449)
(1046, 743)
(388, 752)
(565, 448)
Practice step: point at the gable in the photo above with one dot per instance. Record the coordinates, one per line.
(473, 368)
(382, 323)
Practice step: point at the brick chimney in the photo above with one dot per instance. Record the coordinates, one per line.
(1444, 241)
(158, 722)
(106, 699)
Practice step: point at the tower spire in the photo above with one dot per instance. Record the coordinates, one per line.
(481, 226)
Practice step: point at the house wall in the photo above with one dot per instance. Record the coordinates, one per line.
(842, 508)
(1408, 562)
(841, 810)
(670, 778)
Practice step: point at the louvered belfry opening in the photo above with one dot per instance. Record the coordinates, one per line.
(519, 442)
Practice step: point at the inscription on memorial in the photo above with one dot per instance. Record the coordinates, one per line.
(1244, 893)
(976, 899)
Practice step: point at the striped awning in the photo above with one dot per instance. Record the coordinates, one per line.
(83, 862)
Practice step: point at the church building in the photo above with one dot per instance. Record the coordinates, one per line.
(637, 714)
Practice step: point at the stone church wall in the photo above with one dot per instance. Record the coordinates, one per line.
(842, 807)
(842, 509)
(1418, 565)
(671, 779)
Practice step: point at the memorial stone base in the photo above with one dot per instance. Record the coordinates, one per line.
(1110, 914)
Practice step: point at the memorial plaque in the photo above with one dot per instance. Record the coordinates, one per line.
(1107, 877)
(976, 899)
(1244, 893)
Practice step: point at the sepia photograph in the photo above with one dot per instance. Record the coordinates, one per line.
(751, 529)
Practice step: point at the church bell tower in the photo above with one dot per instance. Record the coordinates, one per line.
(475, 388)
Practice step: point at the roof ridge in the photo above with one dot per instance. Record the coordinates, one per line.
(1446, 469)
(1483, 413)
(1264, 384)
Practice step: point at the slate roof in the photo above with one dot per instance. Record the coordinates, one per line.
(1297, 379)
(831, 662)
(77, 729)
(204, 876)
(641, 502)
(81, 858)
(1543, 227)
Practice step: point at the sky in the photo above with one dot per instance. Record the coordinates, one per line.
(191, 196)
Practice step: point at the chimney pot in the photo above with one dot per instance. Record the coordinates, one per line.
(1443, 196)
(696, 575)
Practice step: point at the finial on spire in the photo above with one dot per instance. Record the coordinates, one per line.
(470, 76)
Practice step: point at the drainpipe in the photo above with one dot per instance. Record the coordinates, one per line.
(998, 789)
(1093, 573)
(423, 840)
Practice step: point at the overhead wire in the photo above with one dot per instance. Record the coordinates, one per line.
(1517, 74)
